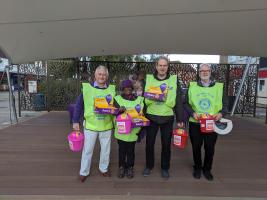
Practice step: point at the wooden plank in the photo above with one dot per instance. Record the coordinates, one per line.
(35, 160)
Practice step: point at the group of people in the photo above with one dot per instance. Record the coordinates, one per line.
(204, 96)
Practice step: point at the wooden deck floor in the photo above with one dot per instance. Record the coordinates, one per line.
(35, 160)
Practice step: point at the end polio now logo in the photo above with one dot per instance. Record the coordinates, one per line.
(204, 104)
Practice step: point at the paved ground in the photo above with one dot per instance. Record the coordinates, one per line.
(5, 112)
(35, 160)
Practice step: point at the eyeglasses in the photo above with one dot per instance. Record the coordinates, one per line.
(204, 71)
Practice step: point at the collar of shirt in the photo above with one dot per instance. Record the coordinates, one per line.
(206, 84)
(96, 85)
(156, 77)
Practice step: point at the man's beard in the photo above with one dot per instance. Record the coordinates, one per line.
(205, 77)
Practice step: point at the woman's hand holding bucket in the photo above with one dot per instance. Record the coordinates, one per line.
(122, 109)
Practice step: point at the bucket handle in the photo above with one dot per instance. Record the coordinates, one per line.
(184, 129)
(128, 115)
(77, 132)
(198, 116)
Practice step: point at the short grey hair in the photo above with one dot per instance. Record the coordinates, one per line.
(205, 64)
(162, 58)
(102, 67)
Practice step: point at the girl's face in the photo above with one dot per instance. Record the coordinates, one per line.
(127, 91)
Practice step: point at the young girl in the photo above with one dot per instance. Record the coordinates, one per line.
(127, 101)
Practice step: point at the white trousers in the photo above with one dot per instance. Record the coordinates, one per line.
(88, 148)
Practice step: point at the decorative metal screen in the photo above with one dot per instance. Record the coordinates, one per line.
(247, 101)
(29, 99)
(61, 81)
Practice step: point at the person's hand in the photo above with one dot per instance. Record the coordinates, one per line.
(180, 124)
(76, 126)
(122, 109)
(217, 116)
(195, 116)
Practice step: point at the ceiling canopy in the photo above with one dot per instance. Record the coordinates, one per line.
(47, 29)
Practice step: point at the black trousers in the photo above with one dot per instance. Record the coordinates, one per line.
(126, 154)
(166, 136)
(197, 140)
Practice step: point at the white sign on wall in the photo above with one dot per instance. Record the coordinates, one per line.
(32, 86)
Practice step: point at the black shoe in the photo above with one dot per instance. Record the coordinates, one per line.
(130, 172)
(165, 173)
(121, 172)
(83, 178)
(208, 175)
(106, 174)
(197, 173)
(146, 172)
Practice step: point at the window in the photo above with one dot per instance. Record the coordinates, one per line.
(262, 83)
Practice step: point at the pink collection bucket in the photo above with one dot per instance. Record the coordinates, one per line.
(124, 123)
(76, 140)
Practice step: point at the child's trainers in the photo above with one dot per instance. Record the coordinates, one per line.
(130, 172)
(121, 172)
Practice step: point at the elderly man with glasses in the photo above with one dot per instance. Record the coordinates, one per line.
(95, 125)
(204, 97)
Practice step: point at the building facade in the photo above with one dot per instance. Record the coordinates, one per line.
(3, 77)
(242, 60)
(262, 82)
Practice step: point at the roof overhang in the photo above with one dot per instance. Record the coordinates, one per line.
(39, 30)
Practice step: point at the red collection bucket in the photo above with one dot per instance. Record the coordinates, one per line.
(207, 124)
(180, 137)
